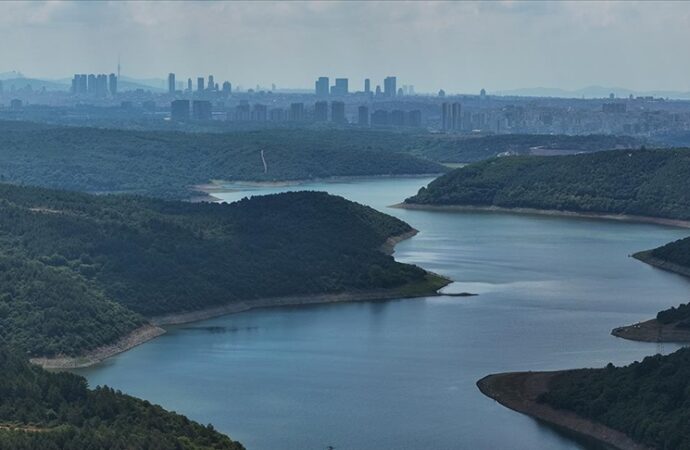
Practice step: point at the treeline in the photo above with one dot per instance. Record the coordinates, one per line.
(649, 400)
(80, 270)
(40, 410)
(467, 149)
(167, 163)
(643, 182)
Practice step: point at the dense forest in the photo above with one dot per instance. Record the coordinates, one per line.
(651, 183)
(123, 257)
(167, 163)
(40, 410)
(648, 400)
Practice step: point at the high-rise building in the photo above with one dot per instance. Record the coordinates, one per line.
(102, 85)
(260, 113)
(400, 92)
(189, 84)
(2, 89)
(211, 83)
(112, 84)
(321, 87)
(321, 111)
(367, 85)
(363, 116)
(378, 90)
(398, 118)
(227, 88)
(482, 93)
(171, 83)
(179, 110)
(379, 118)
(456, 123)
(201, 110)
(340, 87)
(297, 112)
(277, 115)
(451, 116)
(389, 89)
(243, 111)
(414, 118)
(91, 84)
(338, 112)
(200, 84)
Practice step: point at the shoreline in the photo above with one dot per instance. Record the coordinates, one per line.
(549, 212)
(295, 300)
(134, 338)
(519, 391)
(218, 186)
(652, 330)
(430, 287)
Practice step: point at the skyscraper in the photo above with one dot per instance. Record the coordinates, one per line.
(91, 84)
(363, 116)
(367, 85)
(227, 88)
(211, 83)
(112, 84)
(200, 84)
(338, 112)
(297, 112)
(389, 89)
(321, 87)
(321, 111)
(201, 110)
(414, 118)
(179, 110)
(451, 116)
(171, 83)
(260, 112)
(397, 118)
(189, 84)
(340, 87)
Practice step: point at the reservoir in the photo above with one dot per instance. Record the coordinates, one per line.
(401, 374)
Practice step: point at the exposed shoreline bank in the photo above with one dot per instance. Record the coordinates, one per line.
(652, 330)
(519, 391)
(137, 337)
(549, 212)
(218, 186)
(427, 288)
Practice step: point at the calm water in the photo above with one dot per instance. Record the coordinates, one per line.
(401, 374)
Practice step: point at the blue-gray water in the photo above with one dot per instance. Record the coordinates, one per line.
(401, 374)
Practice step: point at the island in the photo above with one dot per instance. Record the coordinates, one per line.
(640, 185)
(85, 277)
(40, 410)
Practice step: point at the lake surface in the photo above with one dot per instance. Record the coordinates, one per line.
(401, 374)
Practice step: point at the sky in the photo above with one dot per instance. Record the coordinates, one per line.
(458, 46)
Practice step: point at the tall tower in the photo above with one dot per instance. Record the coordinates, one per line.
(118, 66)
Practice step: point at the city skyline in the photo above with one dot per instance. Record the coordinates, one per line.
(496, 45)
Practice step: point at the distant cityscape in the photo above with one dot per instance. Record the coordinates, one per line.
(384, 104)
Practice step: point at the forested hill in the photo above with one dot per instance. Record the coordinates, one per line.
(652, 183)
(40, 410)
(80, 270)
(649, 400)
(166, 164)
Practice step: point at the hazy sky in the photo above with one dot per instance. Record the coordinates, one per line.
(458, 46)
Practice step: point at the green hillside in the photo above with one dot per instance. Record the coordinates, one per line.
(643, 182)
(122, 257)
(40, 410)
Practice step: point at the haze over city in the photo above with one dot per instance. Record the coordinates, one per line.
(344, 225)
(458, 46)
